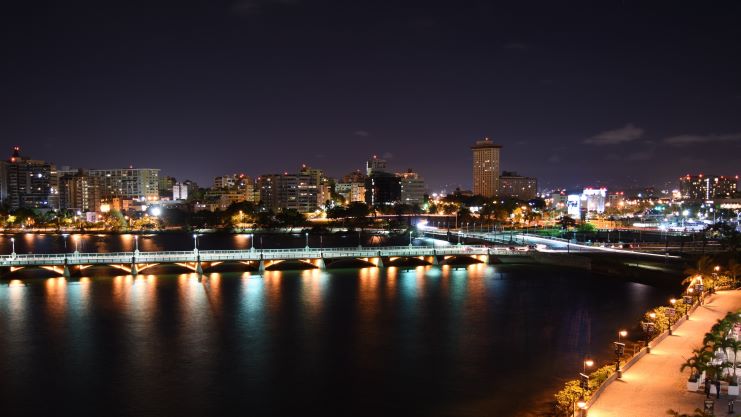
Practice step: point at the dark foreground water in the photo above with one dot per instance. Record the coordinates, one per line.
(481, 341)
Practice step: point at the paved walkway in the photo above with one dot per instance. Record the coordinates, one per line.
(654, 384)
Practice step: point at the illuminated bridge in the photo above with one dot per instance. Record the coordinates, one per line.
(198, 260)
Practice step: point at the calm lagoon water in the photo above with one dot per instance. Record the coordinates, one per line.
(476, 341)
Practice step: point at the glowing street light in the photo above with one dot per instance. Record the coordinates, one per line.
(410, 238)
(195, 243)
(588, 363)
(136, 244)
(307, 240)
(581, 403)
(12, 242)
(622, 333)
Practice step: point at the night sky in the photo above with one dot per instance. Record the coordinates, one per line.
(617, 93)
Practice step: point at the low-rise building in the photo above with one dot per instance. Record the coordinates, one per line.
(517, 186)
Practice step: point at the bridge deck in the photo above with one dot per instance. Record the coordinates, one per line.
(246, 255)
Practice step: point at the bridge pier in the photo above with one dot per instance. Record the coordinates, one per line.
(435, 262)
(321, 264)
(380, 260)
(134, 271)
(199, 268)
(65, 272)
(261, 266)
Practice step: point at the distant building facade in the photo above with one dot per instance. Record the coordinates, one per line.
(382, 188)
(351, 191)
(165, 187)
(29, 183)
(413, 190)
(707, 187)
(80, 192)
(180, 191)
(593, 200)
(304, 191)
(375, 165)
(139, 184)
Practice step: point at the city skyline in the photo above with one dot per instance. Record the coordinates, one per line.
(198, 90)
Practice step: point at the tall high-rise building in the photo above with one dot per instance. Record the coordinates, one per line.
(29, 182)
(485, 167)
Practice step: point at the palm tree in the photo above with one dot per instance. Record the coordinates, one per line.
(735, 346)
(698, 361)
(704, 269)
(713, 339)
(694, 365)
(733, 271)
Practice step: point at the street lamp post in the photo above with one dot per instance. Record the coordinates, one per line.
(12, 242)
(688, 301)
(307, 240)
(619, 351)
(410, 238)
(671, 312)
(136, 244)
(648, 330)
(252, 242)
(360, 244)
(195, 243)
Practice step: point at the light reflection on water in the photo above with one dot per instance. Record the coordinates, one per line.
(422, 341)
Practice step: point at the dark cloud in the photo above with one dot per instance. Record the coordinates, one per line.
(628, 133)
(685, 140)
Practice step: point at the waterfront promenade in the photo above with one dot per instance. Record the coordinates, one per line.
(654, 384)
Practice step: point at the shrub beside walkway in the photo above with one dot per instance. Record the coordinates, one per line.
(654, 384)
